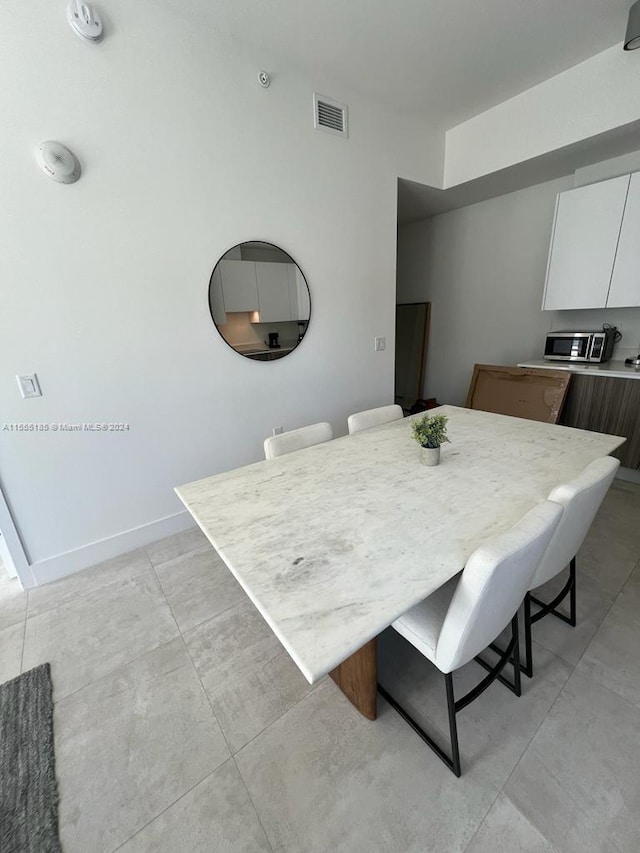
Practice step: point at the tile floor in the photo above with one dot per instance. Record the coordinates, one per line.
(183, 727)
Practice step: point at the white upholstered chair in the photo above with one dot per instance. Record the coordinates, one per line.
(297, 439)
(581, 499)
(463, 617)
(373, 417)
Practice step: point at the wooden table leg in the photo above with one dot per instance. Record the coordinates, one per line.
(357, 677)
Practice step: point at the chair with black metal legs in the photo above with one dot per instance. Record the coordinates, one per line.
(463, 617)
(581, 499)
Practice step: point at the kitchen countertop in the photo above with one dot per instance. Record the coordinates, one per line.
(257, 348)
(613, 369)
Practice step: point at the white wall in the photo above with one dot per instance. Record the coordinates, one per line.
(104, 283)
(607, 169)
(483, 268)
(593, 97)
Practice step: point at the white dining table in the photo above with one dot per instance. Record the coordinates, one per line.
(334, 542)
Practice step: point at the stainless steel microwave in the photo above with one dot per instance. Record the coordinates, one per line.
(589, 346)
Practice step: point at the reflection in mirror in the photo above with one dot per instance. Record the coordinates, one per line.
(259, 301)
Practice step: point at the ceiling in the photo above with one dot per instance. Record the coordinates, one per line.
(419, 201)
(446, 59)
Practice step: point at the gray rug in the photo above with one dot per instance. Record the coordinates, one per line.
(28, 790)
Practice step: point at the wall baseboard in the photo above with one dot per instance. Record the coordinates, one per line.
(53, 568)
(629, 475)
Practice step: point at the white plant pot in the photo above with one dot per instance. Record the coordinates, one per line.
(430, 456)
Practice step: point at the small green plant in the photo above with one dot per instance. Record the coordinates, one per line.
(430, 431)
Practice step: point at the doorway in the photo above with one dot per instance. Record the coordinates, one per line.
(412, 333)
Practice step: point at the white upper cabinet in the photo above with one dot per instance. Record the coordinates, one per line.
(583, 245)
(625, 284)
(273, 291)
(239, 285)
(298, 295)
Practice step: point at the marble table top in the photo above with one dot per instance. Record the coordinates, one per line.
(334, 542)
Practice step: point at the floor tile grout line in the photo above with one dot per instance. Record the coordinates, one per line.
(166, 808)
(232, 753)
(622, 586)
(85, 593)
(207, 618)
(211, 772)
(606, 615)
(436, 727)
(482, 820)
(24, 631)
(569, 792)
(500, 787)
(230, 757)
(255, 808)
(542, 721)
(193, 666)
(599, 625)
(206, 696)
(115, 669)
(606, 687)
(235, 753)
(238, 603)
(553, 704)
(553, 847)
(215, 716)
(124, 663)
(142, 551)
(590, 675)
(280, 716)
(154, 574)
(177, 556)
(574, 668)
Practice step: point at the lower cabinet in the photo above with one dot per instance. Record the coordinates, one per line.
(609, 405)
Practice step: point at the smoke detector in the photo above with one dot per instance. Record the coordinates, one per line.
(84, 21)
(56, 161)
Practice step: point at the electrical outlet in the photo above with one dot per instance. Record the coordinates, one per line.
(29, 386)
(380, 344)
(278, 430)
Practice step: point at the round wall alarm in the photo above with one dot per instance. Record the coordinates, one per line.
(84, 20)
(58, 162)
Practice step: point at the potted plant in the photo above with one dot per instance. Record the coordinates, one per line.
(430, 432)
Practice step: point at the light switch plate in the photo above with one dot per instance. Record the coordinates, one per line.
(29, 386)
(380, 344)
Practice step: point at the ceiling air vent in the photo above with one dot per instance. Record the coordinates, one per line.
(329, 115)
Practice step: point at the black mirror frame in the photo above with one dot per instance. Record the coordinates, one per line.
(231, 347)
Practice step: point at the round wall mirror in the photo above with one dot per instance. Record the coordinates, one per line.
(259, 301)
